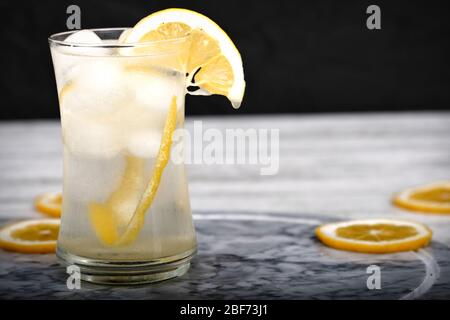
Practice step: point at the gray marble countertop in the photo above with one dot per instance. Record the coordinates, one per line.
(255, 232)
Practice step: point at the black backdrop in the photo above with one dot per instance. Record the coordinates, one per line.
(299, 56)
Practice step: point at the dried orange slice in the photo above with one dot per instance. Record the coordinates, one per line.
(432, 198)
(49, 203)
(375, 235)
(30, 236)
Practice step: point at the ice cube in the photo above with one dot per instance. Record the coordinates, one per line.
(154, 91)
(83, 43)
(97, 89)
(67, 58)
(123, 35)
(90, 138)
(84, 37)
(144, 144)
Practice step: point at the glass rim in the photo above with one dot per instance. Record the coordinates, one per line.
(52, 40)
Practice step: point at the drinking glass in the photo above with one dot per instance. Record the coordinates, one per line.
(114, 101)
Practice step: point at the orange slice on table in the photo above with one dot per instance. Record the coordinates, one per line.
(375, 235)
(30, 236)
(211, 56)
(432, 198)
(49, 204)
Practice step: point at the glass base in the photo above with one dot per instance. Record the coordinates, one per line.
(128, 272)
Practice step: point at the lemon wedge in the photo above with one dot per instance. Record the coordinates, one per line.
(213, 62)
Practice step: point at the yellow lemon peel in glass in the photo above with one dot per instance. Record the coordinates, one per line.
(107, 219)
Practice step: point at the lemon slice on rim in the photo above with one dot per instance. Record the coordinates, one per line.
(375, 235)
(212, 58)
(432, 198)
(30, 236)
(49, 203)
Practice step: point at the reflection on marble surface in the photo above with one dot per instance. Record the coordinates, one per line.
(251, 257)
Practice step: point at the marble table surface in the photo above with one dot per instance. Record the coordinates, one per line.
(255, 233)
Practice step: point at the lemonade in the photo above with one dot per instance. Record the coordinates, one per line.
(126, 214)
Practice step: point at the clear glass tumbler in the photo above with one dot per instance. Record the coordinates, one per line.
(114, 102)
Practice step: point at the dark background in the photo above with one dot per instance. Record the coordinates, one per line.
(299, 56)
